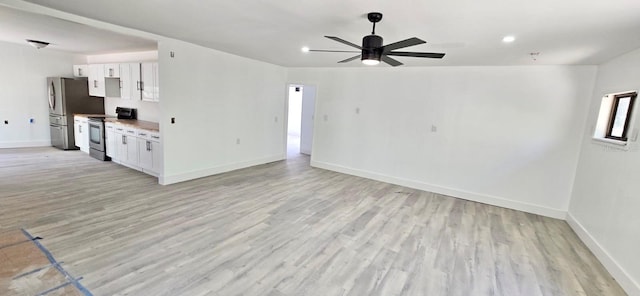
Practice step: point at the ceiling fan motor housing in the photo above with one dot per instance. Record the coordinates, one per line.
(371, 47)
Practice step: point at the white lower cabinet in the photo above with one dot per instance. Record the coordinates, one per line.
(131, 142)
(81, 133)
(149, 152)
(126, 146)
(110, 139)
(135, 148)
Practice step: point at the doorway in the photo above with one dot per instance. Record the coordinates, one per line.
(300, 116)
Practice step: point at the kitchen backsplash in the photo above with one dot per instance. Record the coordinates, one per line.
(148, 111)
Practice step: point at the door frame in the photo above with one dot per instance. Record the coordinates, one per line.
(285, 120)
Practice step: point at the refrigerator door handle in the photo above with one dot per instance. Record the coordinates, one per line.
(52, 96)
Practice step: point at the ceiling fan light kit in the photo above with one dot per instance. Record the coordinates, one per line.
(373, 51)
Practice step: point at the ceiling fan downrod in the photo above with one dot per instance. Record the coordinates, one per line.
(374, 17)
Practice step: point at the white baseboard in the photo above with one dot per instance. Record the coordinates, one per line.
(622, 277)
(472, 196)
(181, 177)
(42, 143)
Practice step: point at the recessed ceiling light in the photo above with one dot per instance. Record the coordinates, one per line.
(305, 49)
(508, 39)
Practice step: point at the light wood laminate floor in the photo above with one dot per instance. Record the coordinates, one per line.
(282, 229)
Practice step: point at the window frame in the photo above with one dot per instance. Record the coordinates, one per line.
(627, 119)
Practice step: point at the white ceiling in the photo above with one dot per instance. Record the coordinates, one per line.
(16, 26)
(469, 31)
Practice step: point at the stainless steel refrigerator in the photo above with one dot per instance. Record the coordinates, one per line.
(69, 96)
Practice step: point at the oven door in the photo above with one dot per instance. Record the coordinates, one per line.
(96, 135)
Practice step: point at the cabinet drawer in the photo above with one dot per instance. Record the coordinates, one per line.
(110, 126)
(148, 135)
(154, 137)
(130, 131)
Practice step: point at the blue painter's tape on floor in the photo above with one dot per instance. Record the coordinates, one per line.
(34, 271)
(53, 289)
(73, 281)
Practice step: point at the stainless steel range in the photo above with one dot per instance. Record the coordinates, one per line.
(96, 139)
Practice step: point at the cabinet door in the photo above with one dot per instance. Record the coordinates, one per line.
(145, 154)
(148, 83)
(111, 142)
(136, 81)
(156, 83)
(76, 133)
(132, 150)
(121, 145)
(96, 80)
(126, 90)
(130, 81)
(80, 70)
(112, 70)
(156, 151)
(84, 128)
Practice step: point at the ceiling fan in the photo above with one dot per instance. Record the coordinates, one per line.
(372, 50)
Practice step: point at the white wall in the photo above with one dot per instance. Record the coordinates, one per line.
(507, 136)
(23, 92)
(218, 99)
(606, 194)
(308, 115)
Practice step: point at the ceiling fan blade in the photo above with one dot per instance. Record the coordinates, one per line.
(322, 50)
(350, 59)
(401, 44)
(390, 61)
(432, 55)
(344, 41)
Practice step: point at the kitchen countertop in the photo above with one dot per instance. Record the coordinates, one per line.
(141, 124)
(92, 115)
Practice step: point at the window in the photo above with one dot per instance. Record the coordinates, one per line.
(614, 120)
(618, 124)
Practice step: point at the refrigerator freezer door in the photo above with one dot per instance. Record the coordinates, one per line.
(59, 136)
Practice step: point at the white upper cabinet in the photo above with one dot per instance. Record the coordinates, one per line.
(136, 81)
(96, 80)
(112, 70)
(80, 70)
(130, 81)
(149, 77)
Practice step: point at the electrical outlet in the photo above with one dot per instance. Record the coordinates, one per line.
(31, 120)
(275, 119)
(172, 54)
(434, 128)
(173, 120)
(6, 122)
(238, 141)
(326, 117)
(357, 110)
